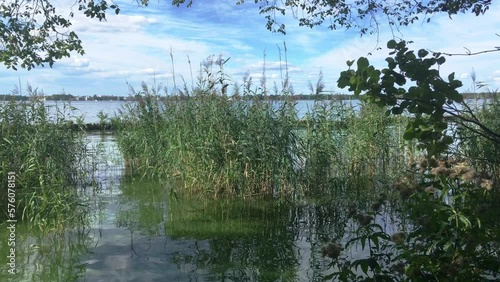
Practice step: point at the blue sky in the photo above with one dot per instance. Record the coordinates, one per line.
(135, 46)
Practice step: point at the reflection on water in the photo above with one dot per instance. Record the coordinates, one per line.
(140, 231)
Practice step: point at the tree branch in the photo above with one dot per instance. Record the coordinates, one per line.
(468, 52)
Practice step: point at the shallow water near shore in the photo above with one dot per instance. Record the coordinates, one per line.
(142, 231)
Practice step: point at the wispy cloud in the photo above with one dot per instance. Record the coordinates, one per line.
(136, 45)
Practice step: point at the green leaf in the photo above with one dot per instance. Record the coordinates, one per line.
(465, 221)
(441, 60)
(422, 53)
(397, 110)
(391, 44)
(364, 266)
(409, 135)
(362, 63)
(375, 240)
(399, 79)
(451, 77)
(391, 63)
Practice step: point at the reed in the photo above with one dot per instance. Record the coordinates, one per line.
(483, 152)
(210, 141)
(47, 156)
(353, 148)
(213, 144)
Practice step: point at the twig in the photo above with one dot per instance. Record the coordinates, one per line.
(468, 52)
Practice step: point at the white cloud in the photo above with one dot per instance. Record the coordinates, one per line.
(440, 35)
(136, 46)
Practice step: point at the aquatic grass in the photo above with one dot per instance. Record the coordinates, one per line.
(348, 150)
(38, 144)
(48, 256)
(209, 141)
(324, 127)
(213, 144)
(221, 146)
(483, 153)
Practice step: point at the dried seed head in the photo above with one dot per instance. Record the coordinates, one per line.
(364, 219)
(460, 169)
(398, 268)
(331, 250)
(406, 193)
(433, 162)
(441, 171)
(398, 238)
(397, 186)
(469, 176)
(486, 184)
(430, 190)
(423, 163)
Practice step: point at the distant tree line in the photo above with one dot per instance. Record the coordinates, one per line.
(65, 97)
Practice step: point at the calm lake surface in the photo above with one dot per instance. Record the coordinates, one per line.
(140, 231)
(89, 110)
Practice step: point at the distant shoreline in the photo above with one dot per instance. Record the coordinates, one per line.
(303, 97)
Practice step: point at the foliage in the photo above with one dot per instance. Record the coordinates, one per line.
(33, 33)
(48, 256)
(215, 145)
(209, 142)
(452, 234)
(341, 144)
(48, 158)
(483, 153)
(449, 204)
(363, 15)
(429, 100)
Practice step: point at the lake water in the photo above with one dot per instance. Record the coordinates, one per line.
(89, 110)
(140, 231)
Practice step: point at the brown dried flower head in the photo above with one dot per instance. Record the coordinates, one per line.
(364, 219)
(398, 238)
(460, 169)
(486, 184)
(331, 250)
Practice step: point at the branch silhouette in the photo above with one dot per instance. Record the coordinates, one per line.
(469, 52)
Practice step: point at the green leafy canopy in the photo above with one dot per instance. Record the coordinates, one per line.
(426, 99)
(33, 33)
